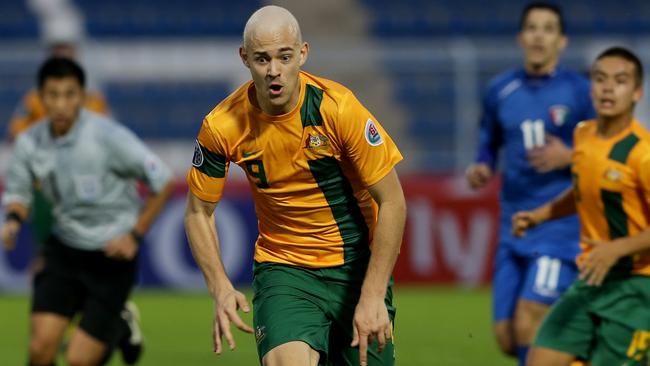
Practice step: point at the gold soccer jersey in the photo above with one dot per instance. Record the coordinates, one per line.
(309, 171)
(612, 187)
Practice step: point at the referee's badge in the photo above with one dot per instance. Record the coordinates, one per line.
(371, 132)
(197, 159)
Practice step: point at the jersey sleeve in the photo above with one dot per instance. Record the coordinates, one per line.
(490, 132)
(644, 176)
(207, 176)
(370, 149)
(18, 180)
(129, 156)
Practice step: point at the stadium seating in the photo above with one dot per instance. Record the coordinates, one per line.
(176, 18)
(164, 110)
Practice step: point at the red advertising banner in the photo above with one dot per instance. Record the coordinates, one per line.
(451, 231)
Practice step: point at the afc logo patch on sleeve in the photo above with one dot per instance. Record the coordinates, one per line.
(197, 159)
(371, 132)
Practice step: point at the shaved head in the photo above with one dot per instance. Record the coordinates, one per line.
(271, 21)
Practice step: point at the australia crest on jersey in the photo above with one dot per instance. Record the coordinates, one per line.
(197, 159)
(371, 132)
(558, 114)
(317, 141)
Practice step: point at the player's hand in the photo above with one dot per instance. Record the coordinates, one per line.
(124, 247)
(553, 155)
(478, 175)
(370, 322)
(601, 258)
(9, 233)
(226, 304)
(522, 221)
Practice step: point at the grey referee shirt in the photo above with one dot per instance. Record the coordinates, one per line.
(89, 175)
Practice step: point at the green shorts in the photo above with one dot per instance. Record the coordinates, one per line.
(607, 325)
(315, 306)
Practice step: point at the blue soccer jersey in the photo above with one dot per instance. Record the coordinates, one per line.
(519, 112)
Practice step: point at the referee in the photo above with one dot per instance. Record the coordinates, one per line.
(87, 166)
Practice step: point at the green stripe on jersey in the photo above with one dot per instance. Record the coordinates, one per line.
(310, 110)
(214, 165)
(614, 213)
(617, 223)
(345, 208)
(621, 149)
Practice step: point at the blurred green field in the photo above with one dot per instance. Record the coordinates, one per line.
(434, 326)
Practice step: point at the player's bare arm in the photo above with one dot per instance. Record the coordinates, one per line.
(564, 205)
(552, 156)
(478, 175)
(16, 215)
(126, 245)
(371, 319)
(204, 242)
(605, 253)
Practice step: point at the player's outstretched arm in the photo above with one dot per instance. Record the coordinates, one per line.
(204, 242)
(371, 319)
(563, 205)
(16, 215)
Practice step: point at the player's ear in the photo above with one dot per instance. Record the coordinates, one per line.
(244, 57)
(564, 41)
(304, 53)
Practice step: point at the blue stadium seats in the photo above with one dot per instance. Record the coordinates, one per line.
(426, 18)
(16, 20)
(164, 110)
(176, 18)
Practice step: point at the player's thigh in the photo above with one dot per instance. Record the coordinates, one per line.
(624, 331)
(289, 305)
(344, 296)
(108, 284)
(507, 279)
(569, 326)
(541, 356)
(294, 353)
(528, 316)
(47, 331)
(84, 349)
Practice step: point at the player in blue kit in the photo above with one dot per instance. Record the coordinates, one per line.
(529, 115)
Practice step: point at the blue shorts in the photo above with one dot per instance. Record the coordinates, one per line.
(540, 278)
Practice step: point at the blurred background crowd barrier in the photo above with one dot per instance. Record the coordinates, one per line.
(420, 66)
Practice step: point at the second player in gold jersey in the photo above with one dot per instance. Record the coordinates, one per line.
(613, 174)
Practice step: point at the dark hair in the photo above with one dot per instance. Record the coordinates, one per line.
(60, 67)
(544, 6)
(627, 55)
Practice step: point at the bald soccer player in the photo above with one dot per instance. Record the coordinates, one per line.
(329, 203)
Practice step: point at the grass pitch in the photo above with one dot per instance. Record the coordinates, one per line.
(434, 326)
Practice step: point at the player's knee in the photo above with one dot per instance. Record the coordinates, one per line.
(292, 353)
(525, 326)
(80, 358)
(505, 339)
(42, 350)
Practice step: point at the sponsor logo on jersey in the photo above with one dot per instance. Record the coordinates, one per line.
(558, 114)
(316, 141)
(197, 159)
(371, 132)
(612, 175)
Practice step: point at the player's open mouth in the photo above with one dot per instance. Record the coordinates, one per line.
(276, 89)
(607, 103)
